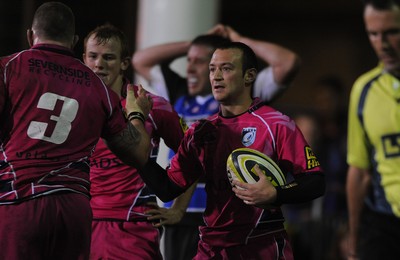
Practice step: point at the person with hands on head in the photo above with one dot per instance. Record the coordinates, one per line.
(54, 109)
(373, 177)
(246, 224)
(124, 209)
(153, 63)
(193, 100)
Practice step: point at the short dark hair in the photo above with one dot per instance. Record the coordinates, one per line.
(249, 58)
(105, 32)
(210, 40)
(54, 21)
(381, 4)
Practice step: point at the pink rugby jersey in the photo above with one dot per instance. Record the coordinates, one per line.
(204, 151)
(56, 109)
(117, 190)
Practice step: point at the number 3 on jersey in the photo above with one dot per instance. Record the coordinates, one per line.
(36, 130)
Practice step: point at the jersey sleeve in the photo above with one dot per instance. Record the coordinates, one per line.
(167, 124)
(357, 151)
(265, 86)
(185, 167)
(294, 153)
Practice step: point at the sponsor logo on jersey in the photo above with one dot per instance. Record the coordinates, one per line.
(58, 71)
(105, 163)
(248, 136)
(183, 124)
(311, 159)
(391, 145)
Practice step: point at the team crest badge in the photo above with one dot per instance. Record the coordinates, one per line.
(248, 136)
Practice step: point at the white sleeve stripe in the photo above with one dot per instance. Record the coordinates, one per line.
(269, 129)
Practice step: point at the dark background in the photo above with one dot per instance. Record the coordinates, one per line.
(329, 36)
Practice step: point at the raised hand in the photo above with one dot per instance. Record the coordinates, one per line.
(141, 102)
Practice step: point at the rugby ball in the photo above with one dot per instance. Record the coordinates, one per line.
(241, 162)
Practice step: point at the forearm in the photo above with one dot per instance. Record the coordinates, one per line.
(144, 60)
(132, 145)
(303, 189)
(182, 202)
(357, 184)
(157, 179)
(284, 62)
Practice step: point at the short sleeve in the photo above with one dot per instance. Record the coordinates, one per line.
(265, 86)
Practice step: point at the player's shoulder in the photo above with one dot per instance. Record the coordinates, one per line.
(4, 60)
(158, 98)
(267, 114)
(160, 103)
(368, 77)
(260, 106)
(205, 123)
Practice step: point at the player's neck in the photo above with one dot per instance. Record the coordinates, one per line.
(117, 86)
(237, 108)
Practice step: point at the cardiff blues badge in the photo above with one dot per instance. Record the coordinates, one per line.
(248, 135)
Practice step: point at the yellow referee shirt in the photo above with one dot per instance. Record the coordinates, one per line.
(374, 136)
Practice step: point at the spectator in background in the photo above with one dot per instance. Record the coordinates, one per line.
(193, 100)
(121, 202)
(53, 110)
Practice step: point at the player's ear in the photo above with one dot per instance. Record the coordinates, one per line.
(75, 41)
(29, 37)
(250, 76)
(125, 63)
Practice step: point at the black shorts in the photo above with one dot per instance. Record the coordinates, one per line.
(379, 236)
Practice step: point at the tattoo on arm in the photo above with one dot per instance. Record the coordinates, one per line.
(125, 140)
(134, 134)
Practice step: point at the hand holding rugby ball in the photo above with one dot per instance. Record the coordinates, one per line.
(241, 162)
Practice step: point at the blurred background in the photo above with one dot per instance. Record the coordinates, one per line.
(328, 35)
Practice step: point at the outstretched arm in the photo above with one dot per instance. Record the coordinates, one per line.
(174, 214)
(157, 179)
(143, 60)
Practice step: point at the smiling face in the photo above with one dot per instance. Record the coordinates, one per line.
(383, 29)
(106, 61)
(198, 58)
(229, 84)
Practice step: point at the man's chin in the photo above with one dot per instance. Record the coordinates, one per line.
(192, 90)
(393, 68)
